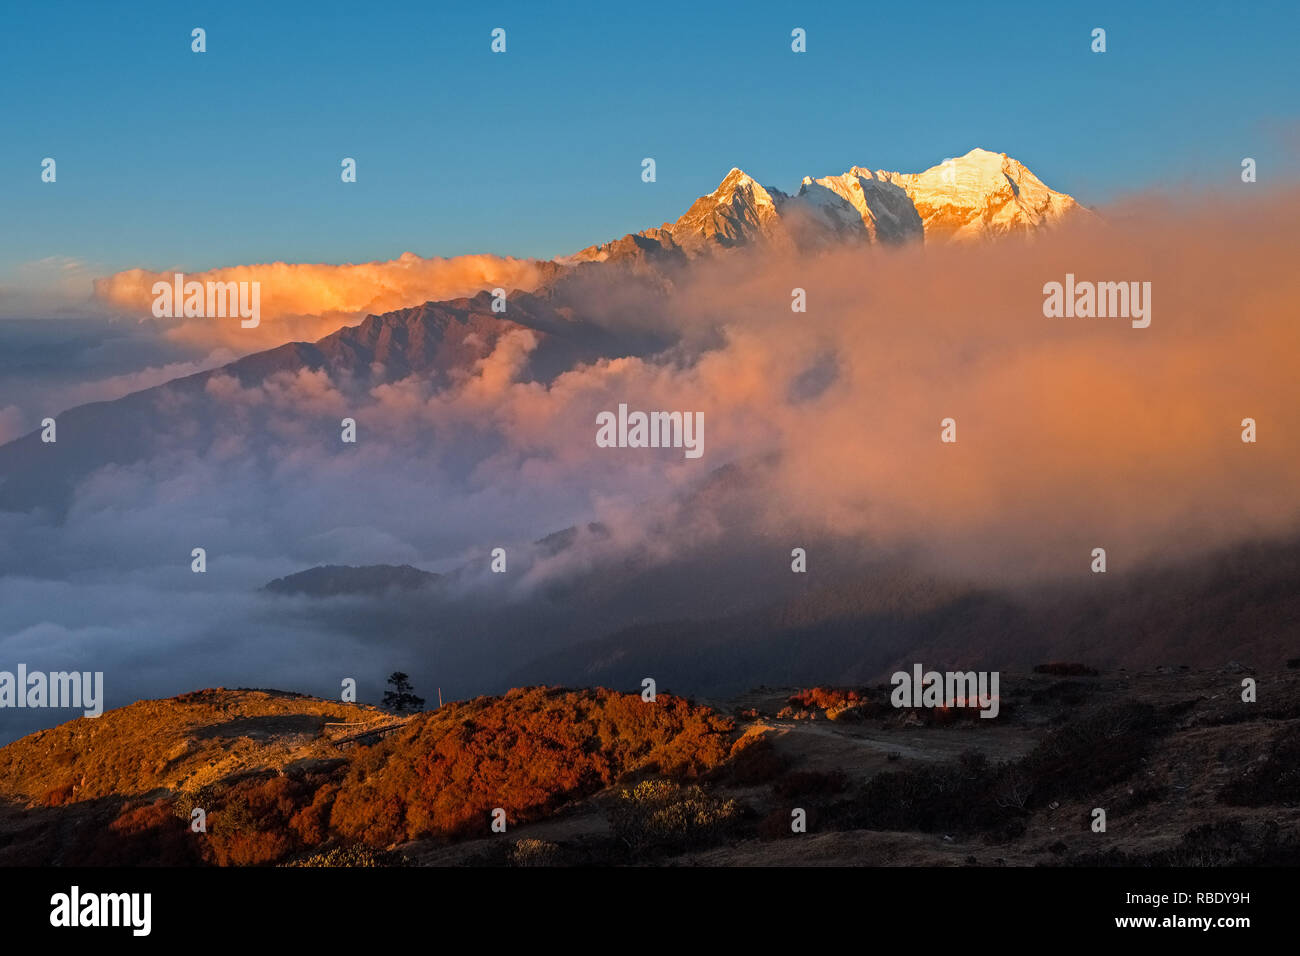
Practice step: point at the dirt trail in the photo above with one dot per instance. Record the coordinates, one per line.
(819, 742)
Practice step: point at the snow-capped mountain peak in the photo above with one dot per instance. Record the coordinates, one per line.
(980, 195)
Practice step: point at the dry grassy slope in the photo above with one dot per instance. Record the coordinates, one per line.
(179, 743)
(1185, 772)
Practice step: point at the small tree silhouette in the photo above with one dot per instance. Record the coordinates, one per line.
(400, 697)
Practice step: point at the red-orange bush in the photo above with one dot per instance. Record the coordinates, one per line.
(526, 752)
(753, 760)
(263, 820)
(59, 795)
(823, 698)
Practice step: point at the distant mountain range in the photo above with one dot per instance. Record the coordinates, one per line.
(981, 195)
(754, 622)
(1235, 604)
(434, 342)
(332, 580)
(857, 620)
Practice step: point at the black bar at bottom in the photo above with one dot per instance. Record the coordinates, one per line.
(967, 906)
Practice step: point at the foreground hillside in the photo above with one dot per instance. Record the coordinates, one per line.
(279, 775)
(1185, 771)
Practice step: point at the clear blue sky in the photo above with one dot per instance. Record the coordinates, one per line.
(168, 158)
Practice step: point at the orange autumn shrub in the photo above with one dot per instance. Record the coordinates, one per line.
(527, 752)
(823, 698)
(259, 821)
(59, 796)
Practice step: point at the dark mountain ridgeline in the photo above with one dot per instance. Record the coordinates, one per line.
(332, 580)
(1238, 603)
(430, 341)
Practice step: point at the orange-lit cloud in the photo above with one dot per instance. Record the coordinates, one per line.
(1072, 433)
(304, 301)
